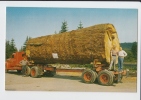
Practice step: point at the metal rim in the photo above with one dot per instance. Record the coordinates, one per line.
(87, 76)
(33, 72)
(104, 78)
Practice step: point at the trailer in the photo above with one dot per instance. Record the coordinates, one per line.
(82, 46)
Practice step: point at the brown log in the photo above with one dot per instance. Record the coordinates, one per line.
(80, 46)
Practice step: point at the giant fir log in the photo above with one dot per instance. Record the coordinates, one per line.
(80, 46)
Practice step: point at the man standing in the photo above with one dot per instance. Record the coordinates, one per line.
(113, 53)
(24, 62)
(121, 55)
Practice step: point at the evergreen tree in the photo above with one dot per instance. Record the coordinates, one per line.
(55, 32)
(21, 49)
(80, 25)
(10, 48)
(134, 49)
(24, 46)
(64, 27)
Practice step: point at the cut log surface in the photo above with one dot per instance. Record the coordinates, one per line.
(80, 46)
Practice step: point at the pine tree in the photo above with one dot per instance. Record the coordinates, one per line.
(80, 25)
(64, 27)
(55, 32)
(21, 49)
(134, 49)
(10, 48)
(24, 46)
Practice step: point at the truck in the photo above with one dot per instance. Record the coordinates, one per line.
(90, 45)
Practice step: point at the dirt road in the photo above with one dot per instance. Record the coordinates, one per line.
(64, 82)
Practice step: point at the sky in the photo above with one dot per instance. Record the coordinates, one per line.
(40, 21)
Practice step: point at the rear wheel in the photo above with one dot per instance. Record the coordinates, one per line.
(34, 72)
(105, 77)
(89, 76)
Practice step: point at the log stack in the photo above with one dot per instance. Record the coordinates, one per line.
(80, 46)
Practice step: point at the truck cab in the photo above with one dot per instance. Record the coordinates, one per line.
(13, 63)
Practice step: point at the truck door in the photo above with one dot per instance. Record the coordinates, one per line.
(13, 60)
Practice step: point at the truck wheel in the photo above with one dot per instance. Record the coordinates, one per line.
(96, 75)
(19, 71)
(105, 77)
(89, 76)
(6, 66)
(6, 70)
(50, 73)
(34, 72)
(27, 71)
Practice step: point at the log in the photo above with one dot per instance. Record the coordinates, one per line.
(80, 46)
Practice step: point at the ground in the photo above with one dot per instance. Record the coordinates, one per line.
(64, 81)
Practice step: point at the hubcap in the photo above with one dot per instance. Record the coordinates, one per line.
(87, 76)
(104, 78)
(33, 72)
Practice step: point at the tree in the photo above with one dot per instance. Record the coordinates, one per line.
(10, 48)
(134, 49)
(24, 46)
(80, 25)
(129, 57)
(64, 27)
(55, 32)
(21, 49)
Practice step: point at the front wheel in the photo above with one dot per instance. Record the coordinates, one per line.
(6, 70)
(34, 72)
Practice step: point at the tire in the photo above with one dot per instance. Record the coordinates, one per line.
(105, 78)
(34, 72)
(116, 78)
(89, 76)
(50, 73)
(27, 71)
(96, 75)
(18, 71)
(6, 65)
(6, 70)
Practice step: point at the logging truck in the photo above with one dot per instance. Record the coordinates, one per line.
(82, 46)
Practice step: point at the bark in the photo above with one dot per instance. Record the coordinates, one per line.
(80, 46)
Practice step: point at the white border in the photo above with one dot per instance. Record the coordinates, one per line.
(64, 95)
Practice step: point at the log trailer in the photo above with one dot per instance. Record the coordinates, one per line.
(82, 46)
